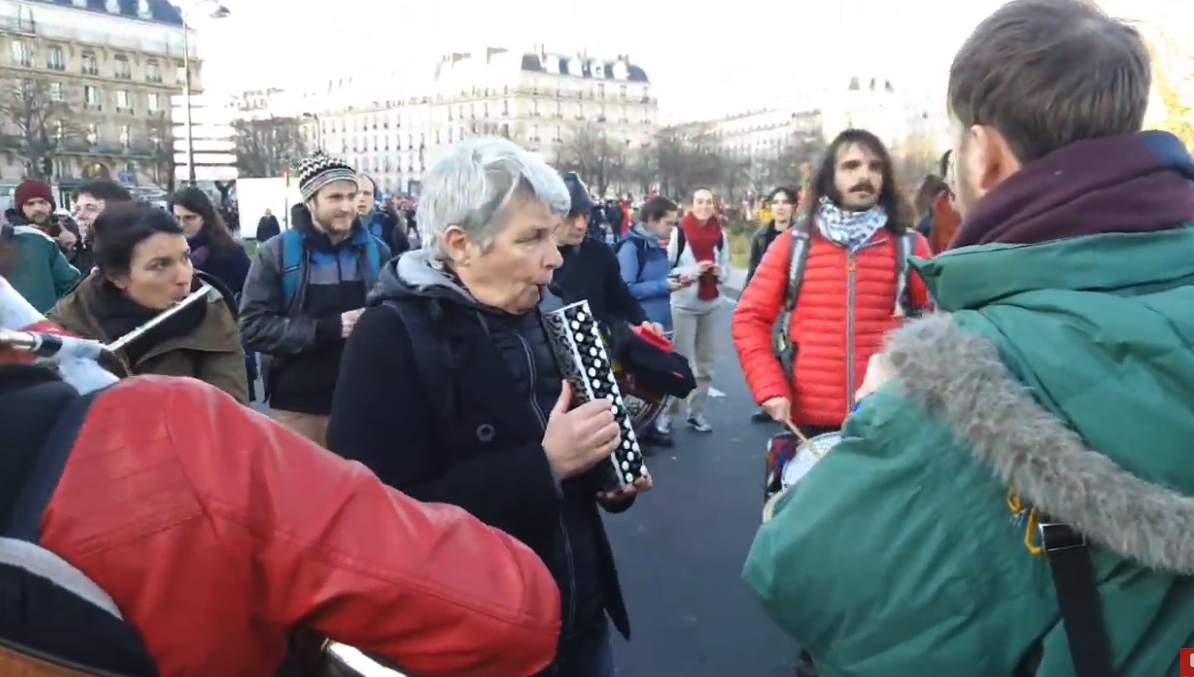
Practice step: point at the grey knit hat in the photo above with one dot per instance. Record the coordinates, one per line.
(319, 170)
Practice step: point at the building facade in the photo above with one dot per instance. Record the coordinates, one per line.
(542, 101)
(760, 135)
(88, 83)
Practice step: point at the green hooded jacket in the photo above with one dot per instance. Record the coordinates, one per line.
(39, 270)
(900, 553)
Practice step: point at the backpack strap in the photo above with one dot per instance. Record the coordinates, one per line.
(640, 249)
(294, 256)
(373, 255)
(1078, 600)
(433, 355)
(640, 252)
(799, 257)
(905, 245)
(39, 487)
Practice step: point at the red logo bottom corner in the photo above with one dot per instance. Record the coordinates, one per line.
(1186, 664)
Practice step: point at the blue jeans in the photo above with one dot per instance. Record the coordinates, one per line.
(588, 654)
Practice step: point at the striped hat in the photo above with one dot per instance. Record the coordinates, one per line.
(319, 170)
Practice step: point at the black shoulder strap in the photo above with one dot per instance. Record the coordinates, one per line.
(39, 487)
(640, 252)
(1077, 599)
(433, 355)
(800, 244)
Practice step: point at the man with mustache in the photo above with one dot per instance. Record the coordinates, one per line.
(839, 280)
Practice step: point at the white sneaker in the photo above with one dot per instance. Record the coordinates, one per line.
(698, 423)
(663, 423)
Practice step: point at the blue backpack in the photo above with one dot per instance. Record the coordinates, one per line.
(294, 259)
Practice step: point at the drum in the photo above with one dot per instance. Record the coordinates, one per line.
(341, 660)
(788, 460)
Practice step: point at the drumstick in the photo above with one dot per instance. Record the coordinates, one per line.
(796, 430)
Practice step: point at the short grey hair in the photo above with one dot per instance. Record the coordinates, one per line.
(474, 186)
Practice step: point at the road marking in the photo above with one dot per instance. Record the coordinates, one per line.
(714, 392)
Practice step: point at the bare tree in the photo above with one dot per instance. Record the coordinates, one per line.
(790, 166)
(265, 148)
(685, 160)
(158, 139)
(915, 157)
(41, 121)
(597, 158)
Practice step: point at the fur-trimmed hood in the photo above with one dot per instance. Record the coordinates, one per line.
(960, 377)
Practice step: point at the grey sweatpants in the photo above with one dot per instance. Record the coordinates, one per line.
(695, 336)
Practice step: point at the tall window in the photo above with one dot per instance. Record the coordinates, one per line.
(153, 71)
(22, 53)
(124, 70)
(124, 102)
(92, 98)
(88, 64)
(55, 58)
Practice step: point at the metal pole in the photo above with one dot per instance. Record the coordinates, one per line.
(186, 97)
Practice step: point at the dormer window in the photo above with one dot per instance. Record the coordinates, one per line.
(143, 10)
(80, 3)
(113, 6)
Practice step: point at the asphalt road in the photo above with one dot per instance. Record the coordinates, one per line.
(680, 549)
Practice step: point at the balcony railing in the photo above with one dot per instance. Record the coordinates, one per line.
(168, 43)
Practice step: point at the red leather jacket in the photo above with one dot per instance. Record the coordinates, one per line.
(216, 532)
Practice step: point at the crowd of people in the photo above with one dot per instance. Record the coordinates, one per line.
(1007, 384)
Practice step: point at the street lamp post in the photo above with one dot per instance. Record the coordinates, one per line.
(219, 12)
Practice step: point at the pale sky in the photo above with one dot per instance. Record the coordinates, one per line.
(705, 60)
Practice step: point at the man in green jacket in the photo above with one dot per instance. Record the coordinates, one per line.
(1055, 394)
(36, 266)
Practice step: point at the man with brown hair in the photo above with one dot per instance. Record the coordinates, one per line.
(1027, 476)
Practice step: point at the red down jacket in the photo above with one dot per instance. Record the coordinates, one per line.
(845, 308)
(216, 540)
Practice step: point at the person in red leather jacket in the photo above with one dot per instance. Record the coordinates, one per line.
(853, 289)
(216, 532)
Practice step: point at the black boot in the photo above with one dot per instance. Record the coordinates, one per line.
(760, 416)
(655, 438)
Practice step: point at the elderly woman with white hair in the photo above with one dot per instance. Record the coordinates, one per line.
(449, 392)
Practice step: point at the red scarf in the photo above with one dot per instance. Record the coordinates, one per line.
(702, 239)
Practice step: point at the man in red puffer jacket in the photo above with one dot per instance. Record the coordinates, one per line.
(852, 287)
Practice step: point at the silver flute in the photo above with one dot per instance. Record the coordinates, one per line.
(52, 345)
